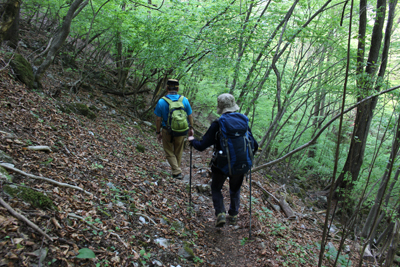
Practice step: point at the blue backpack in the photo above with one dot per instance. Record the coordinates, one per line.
(236, 154)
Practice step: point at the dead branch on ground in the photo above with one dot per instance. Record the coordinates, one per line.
(282, 203)
(24, 219)
(11, 167)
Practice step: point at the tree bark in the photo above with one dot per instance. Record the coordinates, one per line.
(393, 245)
(373, 213)
(355, 156)
(59, 39)
(9, 21)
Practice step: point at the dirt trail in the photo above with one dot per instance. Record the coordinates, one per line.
(229, 245)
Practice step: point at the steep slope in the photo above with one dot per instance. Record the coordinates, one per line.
(134, 214)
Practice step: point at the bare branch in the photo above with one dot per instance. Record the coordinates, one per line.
(11, 167)
(312, 141)
(24, 219)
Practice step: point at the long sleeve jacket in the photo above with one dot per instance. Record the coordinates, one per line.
(211, 137)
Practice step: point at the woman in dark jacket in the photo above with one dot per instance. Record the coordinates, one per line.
(226, 104)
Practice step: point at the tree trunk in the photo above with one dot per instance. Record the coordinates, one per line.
(393, 247)
(9, 21)
(373, 213)
(364, 113)
(318, 106)
(58, 40)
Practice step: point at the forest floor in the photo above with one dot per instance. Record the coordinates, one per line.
(133, 213)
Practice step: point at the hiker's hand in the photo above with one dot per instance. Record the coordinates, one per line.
(191, 133)
(159, 137)
(190, 139)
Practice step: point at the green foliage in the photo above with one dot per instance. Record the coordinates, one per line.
(95, 166)
(37, 199)
(215, 47)
(264, 214)
(86, 253)
(243, 241)
(145, 255)
(331, 254)
(278, 229)
(23, 69)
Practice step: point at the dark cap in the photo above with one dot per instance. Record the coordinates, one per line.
(172, 83)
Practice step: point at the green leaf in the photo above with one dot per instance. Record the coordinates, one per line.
(85, 253)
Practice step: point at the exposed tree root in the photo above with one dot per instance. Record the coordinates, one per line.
(11, 167)
(23, 218)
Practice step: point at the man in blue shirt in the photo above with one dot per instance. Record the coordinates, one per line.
(173, 146)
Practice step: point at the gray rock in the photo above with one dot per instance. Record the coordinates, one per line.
(51, 76)
(184, 254)
(203, 188)
(5, 157)
(8, 135)
(162, 221)
(295, 189)
(111, 185)
(333, 229)
(157, 263)
(165, 164)
(322, 201)
(147, 123)
(201, 199)
(162, 242)
(20, 43)
(23, 70)
(331, 246)
(178, 225)
(262, 246)
(368, 254)
(142, 220)
(78, 108)
(186, 178)
(346, 249)
(121, 204)
(4, 175)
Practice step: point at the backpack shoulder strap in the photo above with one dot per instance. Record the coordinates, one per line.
(169, 101)
(217, 133)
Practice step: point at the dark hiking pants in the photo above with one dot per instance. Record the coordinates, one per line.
(235, 182)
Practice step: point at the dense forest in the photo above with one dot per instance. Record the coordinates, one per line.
(318, 80)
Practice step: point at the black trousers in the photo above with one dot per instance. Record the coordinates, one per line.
(235, 182)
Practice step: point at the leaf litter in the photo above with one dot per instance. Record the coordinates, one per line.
(134, 201)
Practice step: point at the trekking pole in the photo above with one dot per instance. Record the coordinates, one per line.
(250, 208)
(190, 182)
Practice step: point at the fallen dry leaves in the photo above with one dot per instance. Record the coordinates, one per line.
(101, 157)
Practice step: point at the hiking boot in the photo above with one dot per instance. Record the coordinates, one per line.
(220, 220)
(177, 176)
(232, 220)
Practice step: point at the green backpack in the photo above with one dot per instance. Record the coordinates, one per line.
(177, 123)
